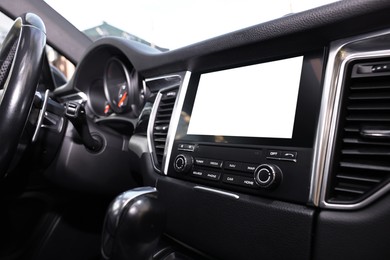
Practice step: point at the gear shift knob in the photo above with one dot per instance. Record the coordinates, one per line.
(133, 225)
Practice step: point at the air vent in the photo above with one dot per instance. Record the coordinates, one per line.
(361, 160)
(161, 124)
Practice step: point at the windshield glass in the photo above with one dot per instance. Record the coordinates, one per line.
(171, 24)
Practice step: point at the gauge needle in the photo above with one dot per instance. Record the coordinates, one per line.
(107, 109)
(120, 103)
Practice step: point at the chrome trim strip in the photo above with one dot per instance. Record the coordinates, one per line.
(41, 116)
(82, 97)
(163, 77)
(152, 119)
(175, 121)
(224, 193)
(341, 52)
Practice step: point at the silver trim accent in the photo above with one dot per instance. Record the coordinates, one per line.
(163, 77)
(41, 116)
(152, 119)
(224, 193)
(153, 114)
(175, 121)
(373, 45)
(82, 97)
(281, 159)
(375, 133)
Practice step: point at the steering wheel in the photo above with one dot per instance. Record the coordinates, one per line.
(21, 59)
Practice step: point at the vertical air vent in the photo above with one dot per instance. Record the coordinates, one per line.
(161, 123)
(361, 159)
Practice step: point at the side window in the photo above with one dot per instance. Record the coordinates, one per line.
(5, 25)
(60, 62)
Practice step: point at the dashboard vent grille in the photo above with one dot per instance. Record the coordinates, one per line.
(161, 124)
(361, 160)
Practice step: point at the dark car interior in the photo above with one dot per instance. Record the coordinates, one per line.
(198, 152)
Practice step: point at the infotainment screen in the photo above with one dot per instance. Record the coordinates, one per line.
(274, 103)
(251, 101)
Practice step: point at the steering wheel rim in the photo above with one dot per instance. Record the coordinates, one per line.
(21, 59)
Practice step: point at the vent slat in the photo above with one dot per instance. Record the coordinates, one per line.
(352, 129)
(369, 107)
(159, 134)
(369, 118)
(354, 178)
(163, 111)
(349, 190)
(364, 142)
(366, 152)
(163, 116)
(160, 140)
(370, 96)
(370, 87)
(360, 164)
(161, 124)
(365, 166)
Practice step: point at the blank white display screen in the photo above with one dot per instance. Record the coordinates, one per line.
(252, 101)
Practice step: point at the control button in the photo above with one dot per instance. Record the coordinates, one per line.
(247, 182)
(249, 167)
(186, 147)
(234, 166)
(264, 176)
(179, 163)
(231, 179)
(201, 161)
(239, 180)
(183, 163)
(268, 176)
(190, 147)
(288, 155)
(213, 176)
(214, 163)
(198, 173)
(273, 154)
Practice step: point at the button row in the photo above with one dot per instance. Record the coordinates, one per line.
(239, 180)
(238, 166)
(208, 162)
(213, 176)
(229, 165)
(282, 155)
(227, 178)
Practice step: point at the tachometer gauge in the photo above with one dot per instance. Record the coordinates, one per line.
(117, 86)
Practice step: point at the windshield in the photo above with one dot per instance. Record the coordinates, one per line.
(170, 24)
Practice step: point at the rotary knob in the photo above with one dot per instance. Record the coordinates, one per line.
(268, 176)
(183, 163)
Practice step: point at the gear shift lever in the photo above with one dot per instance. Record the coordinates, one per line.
(133, 225)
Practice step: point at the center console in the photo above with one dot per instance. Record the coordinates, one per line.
(243, 129)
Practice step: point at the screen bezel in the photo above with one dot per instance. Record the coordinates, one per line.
(306, 116)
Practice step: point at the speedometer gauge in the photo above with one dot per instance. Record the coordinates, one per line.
(117, 86)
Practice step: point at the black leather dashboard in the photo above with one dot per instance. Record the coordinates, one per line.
(225, 224)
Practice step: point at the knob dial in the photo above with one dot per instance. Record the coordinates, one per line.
(183, 163)
(268, 176)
